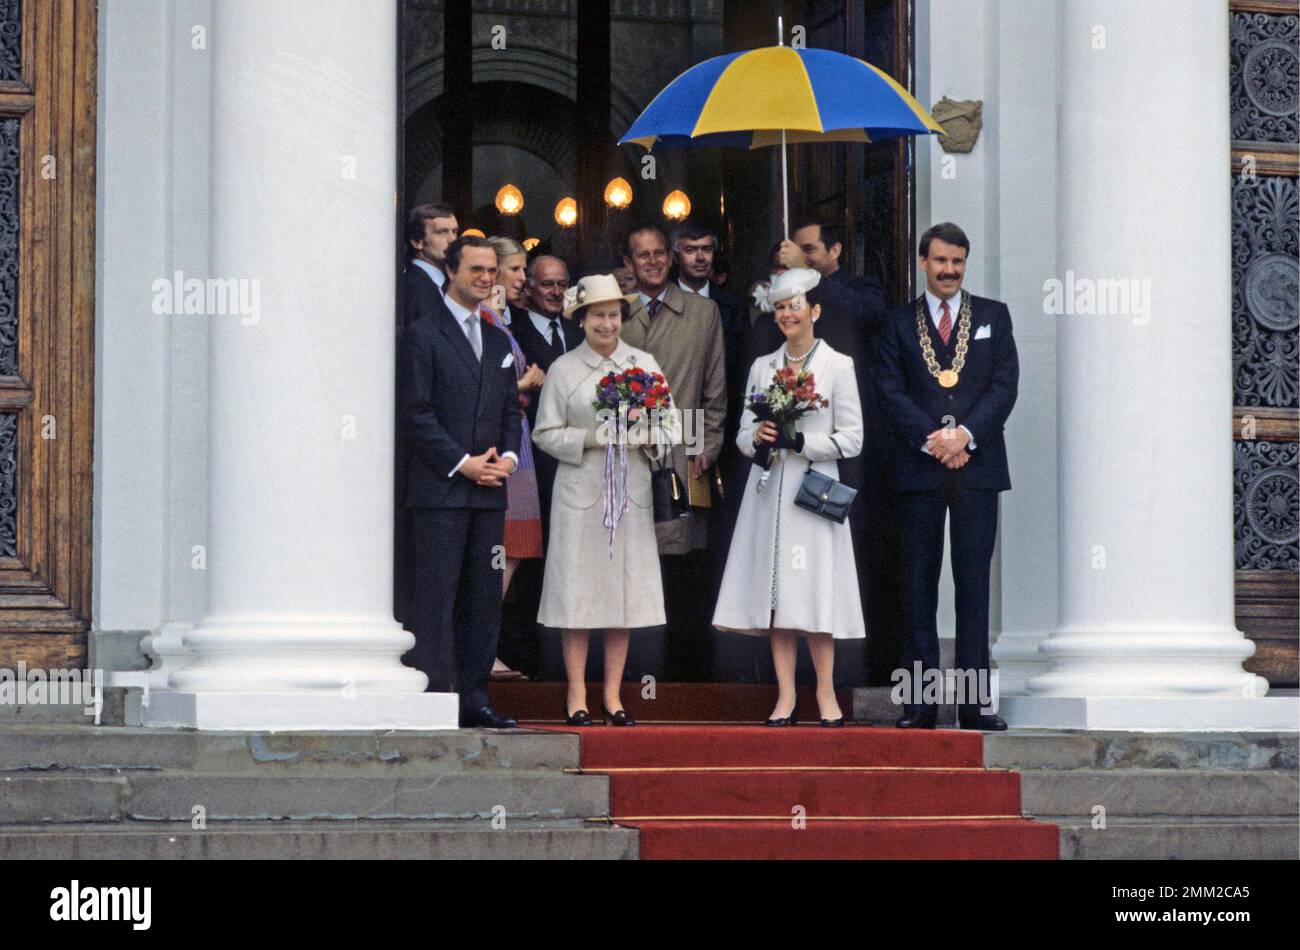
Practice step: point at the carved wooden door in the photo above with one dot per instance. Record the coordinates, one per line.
(1265, 77)
(47, 240)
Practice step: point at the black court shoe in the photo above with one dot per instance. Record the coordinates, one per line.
(579, 718)
(620, 718)
(833, 723)
(789, 720)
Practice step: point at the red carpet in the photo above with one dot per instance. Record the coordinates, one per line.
(753, 792)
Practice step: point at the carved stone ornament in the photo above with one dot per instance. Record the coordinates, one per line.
(961, 123)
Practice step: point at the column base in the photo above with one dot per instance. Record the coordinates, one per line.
(1153, 713)
(298, 712)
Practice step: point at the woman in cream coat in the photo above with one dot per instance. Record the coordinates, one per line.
(790, 573)
(589, 583)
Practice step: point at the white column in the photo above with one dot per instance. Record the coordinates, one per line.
(1146, 638)
(1023, 133)
(299, 631)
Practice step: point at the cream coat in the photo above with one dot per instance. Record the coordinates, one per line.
(809, 558)
(583, 588)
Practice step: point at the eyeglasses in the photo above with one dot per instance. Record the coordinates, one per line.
(552, 284)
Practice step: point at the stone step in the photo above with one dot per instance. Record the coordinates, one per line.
(176, 796)
(1141, 750)
(875, 706)
(114, 711)
(1205, 839)
(68, 747)
(1141, 793)
(567, 839)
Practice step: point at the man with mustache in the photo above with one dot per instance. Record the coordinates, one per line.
(948, 375)
(683, 331)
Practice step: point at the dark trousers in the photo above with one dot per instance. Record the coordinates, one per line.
(974, 525)
(688, 610)
(455, 598)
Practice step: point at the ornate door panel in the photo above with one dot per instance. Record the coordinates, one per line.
(867, 189)
(47, 239)
(1265, 74)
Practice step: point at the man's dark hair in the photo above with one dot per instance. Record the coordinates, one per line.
(626, 249)
(947, 232)
(422, 213)
(690, 231)
(830, 233)
(457, 247)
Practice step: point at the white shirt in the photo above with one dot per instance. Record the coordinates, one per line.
(703, 291)
(646, 298)
(543, 324)
(436, 273)
(461, 315)
(936, 315)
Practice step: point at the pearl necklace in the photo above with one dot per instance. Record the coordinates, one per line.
(799, 359)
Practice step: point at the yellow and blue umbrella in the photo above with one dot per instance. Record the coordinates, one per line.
(779, 95)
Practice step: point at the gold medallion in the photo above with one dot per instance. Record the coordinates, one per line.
(947, 378)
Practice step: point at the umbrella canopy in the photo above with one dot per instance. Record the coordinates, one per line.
(780, 94)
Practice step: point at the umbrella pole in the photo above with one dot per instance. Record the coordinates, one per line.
(785, 174)
(785, 190)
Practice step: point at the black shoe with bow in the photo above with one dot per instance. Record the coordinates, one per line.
(617, 718)
(579, 718)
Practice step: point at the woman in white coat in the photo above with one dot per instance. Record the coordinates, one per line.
(790, 573)
(593, 580)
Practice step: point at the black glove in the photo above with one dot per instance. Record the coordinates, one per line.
(782, 442)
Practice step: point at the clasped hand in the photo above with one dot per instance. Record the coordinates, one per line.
(488, 469)
(948, 446)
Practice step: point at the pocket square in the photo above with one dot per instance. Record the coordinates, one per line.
(508, 361)
(984, 332)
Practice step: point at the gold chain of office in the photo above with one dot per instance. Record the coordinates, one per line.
(947, 377)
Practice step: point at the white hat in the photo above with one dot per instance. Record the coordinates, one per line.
(791, 283)
(594, 288)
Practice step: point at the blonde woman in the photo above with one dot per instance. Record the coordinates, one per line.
(523, 535)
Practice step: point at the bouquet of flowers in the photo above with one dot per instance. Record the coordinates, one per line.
(791, 395)
(635, 388)
(630, 396)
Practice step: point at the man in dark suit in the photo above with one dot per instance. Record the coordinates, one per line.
(948, 376)
(545, 334)
(820, 244)
(695, 249)
(542, 331)
(460, 418)
(429, 231)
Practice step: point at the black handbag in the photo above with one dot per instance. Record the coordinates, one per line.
(668, 492)
(823, 495)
